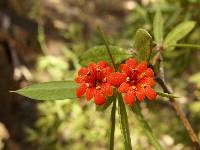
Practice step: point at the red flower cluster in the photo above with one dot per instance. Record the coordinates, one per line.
(135, 80)
(93, 82)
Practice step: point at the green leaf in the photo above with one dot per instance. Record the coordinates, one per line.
(145, 126)
(158, 27)
(108, 102)
(166, 95)
(112, 128)
(99, 53)
(142, 44)
(179, 32)
(56, 90)
(191, 46)
(124, 124)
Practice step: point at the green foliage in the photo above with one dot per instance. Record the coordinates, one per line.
(124, 123)
(55, 66)
(56, 90)
(178, 32)
(112, 126)
(158, 27)
(145, 126)
(195, 108)
(195, 78)
(191, 46)
(166, 95)
(67, 125)
(99, 53)
(64, 125)
(143, 44)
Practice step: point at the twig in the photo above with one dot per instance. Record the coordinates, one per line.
(159, 59)
(175, 105)
(181, 115)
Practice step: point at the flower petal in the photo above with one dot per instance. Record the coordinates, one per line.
(141, 66)
(92, 68)
(140, 93)
(89, 93)
(124, 87)
(131, 63)
(83, 71)
(147, 81)
(80, 79)
(129, 97)
(99, 98)
(116, 79)
(81, 90)
(102, 64)
(149, 72)
(125, 69)
(107, 71)
(107, 89)
(150, 93)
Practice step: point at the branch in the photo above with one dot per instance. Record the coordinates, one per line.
(180, 114)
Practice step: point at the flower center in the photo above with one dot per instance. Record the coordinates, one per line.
(127, 79)
(133, 70)
(134, 87)
(104, 79)
(98, 87)
(98, 69)
(87, 85)
(143, 85)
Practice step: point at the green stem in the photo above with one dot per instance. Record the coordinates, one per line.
(107, 47)
(112, 130)
(145, 126)
(41, 38)
(124, 123)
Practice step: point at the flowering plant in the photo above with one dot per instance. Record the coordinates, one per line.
(136, 81)
(93, 82)
(111, 76)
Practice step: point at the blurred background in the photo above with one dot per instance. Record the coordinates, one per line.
(42, 41)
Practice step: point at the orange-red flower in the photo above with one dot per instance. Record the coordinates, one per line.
(136, 80)
(93, 82)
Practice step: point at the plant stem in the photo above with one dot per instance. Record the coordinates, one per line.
(113, 111)
(124, 123)
(41, 38)
(112, 129)
(181, 115)
(107, 47)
